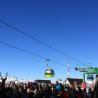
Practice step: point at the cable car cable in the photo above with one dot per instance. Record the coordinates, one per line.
(39, 41)
(29, 52)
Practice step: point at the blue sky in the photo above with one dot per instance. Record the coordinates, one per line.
(68, 25)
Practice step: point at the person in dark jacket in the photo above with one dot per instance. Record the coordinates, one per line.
(96, 87)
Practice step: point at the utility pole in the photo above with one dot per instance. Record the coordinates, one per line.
(68, 69)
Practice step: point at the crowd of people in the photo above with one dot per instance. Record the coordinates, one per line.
(45, 90)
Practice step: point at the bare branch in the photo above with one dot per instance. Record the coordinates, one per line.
(6, 75)
(1, 76)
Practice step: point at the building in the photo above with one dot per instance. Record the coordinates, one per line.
(42, 81)
(71, 81)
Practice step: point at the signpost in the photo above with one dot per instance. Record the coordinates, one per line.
(87, 70)
(84, 70)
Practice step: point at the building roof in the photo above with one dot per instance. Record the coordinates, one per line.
(43, 81)
(73, 80)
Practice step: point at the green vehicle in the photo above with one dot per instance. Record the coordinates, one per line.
(49, 73)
